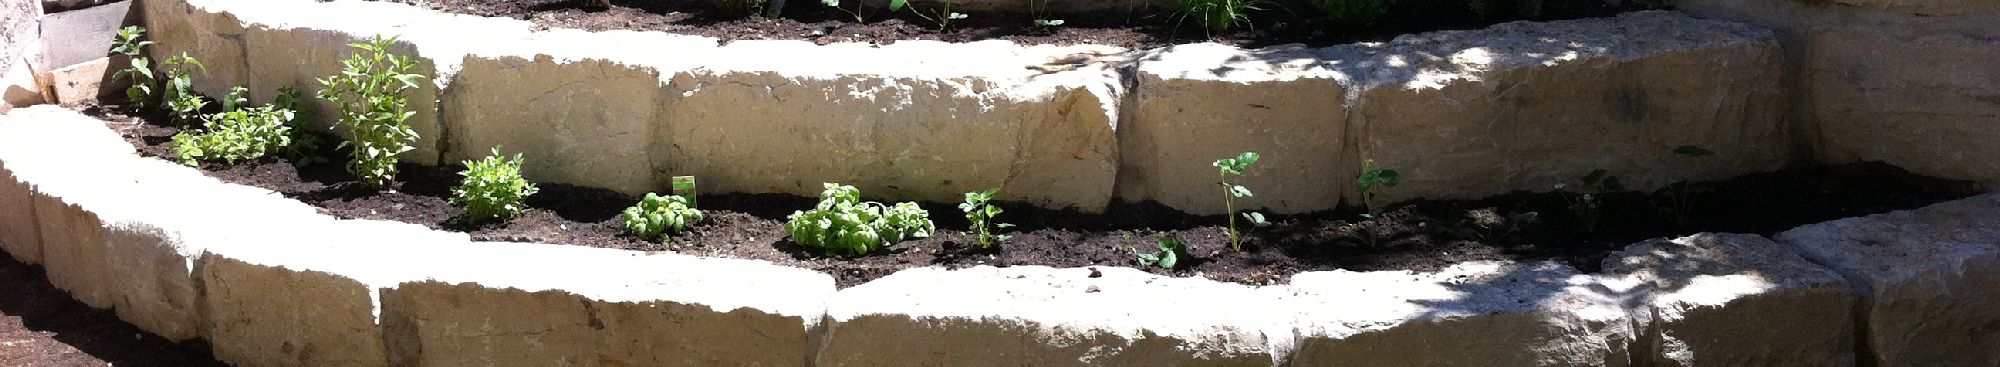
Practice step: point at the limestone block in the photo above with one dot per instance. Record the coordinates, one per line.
(19, 234)
(1929, 279)
(85, 82)
(311, 298)
(1736, 300)
(1201, 102)
(73, 250)
(603, 307)
(1471, 314)
(579, 105)
(1913, 91)
(42, 145)
(203, 30)
(294, 44)
(912, 120)
(75, 37)
(18, 87)
(1041, 316)
(1527, 105)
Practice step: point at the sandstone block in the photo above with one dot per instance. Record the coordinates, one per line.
(203, 30)
(1201, 102)
(75, 37)
(1736, 300)
(1912, 91)
(85, 82)
(42, 145)
(1929, 279)
(1042, 316)
(19, 234)
(1480, 313)
(1526, 105)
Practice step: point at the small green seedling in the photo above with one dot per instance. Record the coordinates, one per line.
(1218, 15)
(1043, 19)
(1370, 182)
(841, 224)
(1234, 167)
(1676, 201)
(372, 91)
(1170, 255)
(181, 99)
(1587, 200)
(493, 188)
(1489, 225)
(942, 15)
(141, 69)
(979, 209)
(659, 217)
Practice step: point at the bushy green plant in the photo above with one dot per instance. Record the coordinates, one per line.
(1676, 201)
(1352, 13)
(1505, 9)
(1170, 255)
(1369, 183)
(1219, 15)
(659, 217)
(1234, 167)
(841, 224)
(237, 135)
(1586, 201)
(372, 92)
(140, 72)
(493, 188)
(182, 101)
(979, 209)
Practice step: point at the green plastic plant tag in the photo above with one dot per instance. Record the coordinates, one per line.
(684, 187)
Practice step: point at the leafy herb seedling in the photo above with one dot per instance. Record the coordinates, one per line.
(1040, 11)
(1587, 200)
(141, 69)
(979, 209)
(493, 188)
(372, 91)
(1371, 180)
(1234, 167)
(659, 217)
(842, 224)
(182, 101)
(1170, 255)
(1219, 15)
(1676, 201)
(1489, 225)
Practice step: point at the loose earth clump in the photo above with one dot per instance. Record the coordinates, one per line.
(1139, 28)
(1418, 235)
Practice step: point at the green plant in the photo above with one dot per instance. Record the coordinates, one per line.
(372, 92)
(1505, 9)
(1352, 13)
(1219, 15)
(1371, 180)
(737, 8)
(979, 209)
(1234, 167)
(1587, 200)
(1489, 225)
(841, 224)
(140, 72)
(658, 217)
(1039, 9)
(942, 15)
(182, 101)
(237, 135)
(1170, 255)
(493, 188)
(1676, 201)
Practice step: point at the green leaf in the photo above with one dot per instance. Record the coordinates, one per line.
(897, 5)
(1239, 191)
(830, 2)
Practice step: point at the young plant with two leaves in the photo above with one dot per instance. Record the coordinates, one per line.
(1371, 181)
(1170, 256)
(1230, 170)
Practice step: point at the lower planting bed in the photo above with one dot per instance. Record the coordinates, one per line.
(1419, 235)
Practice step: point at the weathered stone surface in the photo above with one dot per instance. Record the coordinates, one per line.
(579, 104)
(19, 234)
(42, 146)
(18, 87)
(1735, 300)
(19, 33)
(1913, 91)
(1201, 102)
(1471, 314)
(1034, 315)
(312, 301)
(84, 82)
(912, 120)
(204, 31)
(603, 307)
(1929, 279)
(75, 37)
(1525, 106)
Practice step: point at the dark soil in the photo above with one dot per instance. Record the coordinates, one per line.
(1420, 235)
(811, 21)
(41, 326)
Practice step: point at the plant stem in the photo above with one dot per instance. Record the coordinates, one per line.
(1229, 207)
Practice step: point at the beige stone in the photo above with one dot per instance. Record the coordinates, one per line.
(1526, 106)
(1198, 103)
(1915, 92)
(576, 104)
(604, 307)
(18, 87)
(203, 30)
(1478, 313)
(43, 145)
(19, 234)
(85, 82)
(1034, 315)
(311, 301)
(1735, 300)
(913, 120)
(75, 37)
(1929, 279)
(19, 33)
(73, 250)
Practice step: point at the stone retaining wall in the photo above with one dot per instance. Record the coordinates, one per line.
(1461, 113)
(268, 282)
